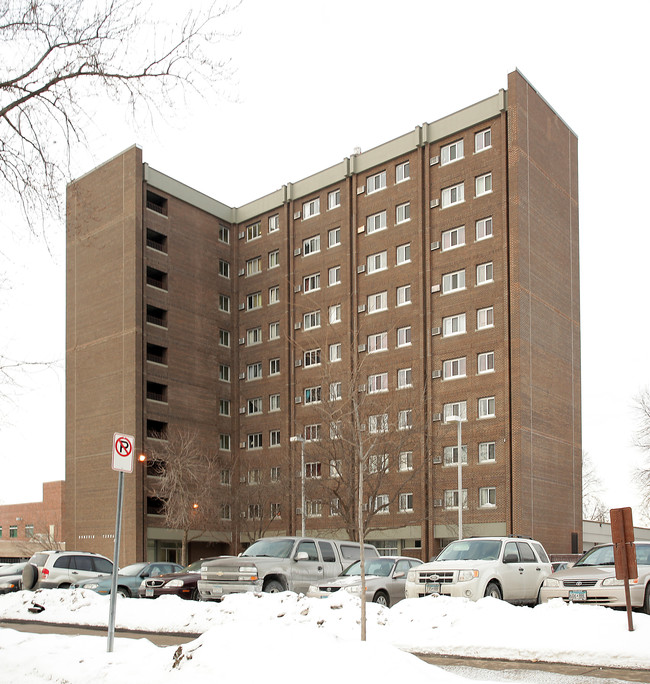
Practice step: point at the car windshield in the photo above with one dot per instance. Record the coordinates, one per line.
(377, 566)
(131, 570)
(471, 549)
(604, 555)
(196, 566)
(12, 569)
(273, 548)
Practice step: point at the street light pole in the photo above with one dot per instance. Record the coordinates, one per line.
(459, 421)
(301, 439)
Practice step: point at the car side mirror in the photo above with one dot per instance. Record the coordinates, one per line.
(301, 555)
(144, 574)
(511, 558)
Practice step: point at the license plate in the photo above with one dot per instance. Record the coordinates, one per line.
(149, 591)
(577, 595)
(217, 590)
(432, 587)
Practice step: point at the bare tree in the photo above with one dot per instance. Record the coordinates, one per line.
(642, 440)
(258, 504)
(57, 55)
(593, 507)
(188, 485)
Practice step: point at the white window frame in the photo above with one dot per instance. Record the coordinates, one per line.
(311, 320)
(402, 213)
(483, 140)
(312, 357)
(486, 313)
(487, 452)
(377, 342)
(224, 442)
(404, 336)
(450, 455)
(274, 294)
(274, 258)
(334, 276)
(336, 391)
(451, 499)
(253, 266)
(485, 273)
(485, 363)
(274, 223)
(406, 502)
(403, 254)
(453, 238)
(224, 234)
(405, 461)
(253, 232)
(454, 325)
(454, 194)
(313, 508)
(377, 382)
(378, 463)
(376, 182)
(334, 237)
(311, 283)
(404, 378)
(224, 338)
(224, 372)
(334, 199)
(402, 172)
(312, 432)
(274, 330)
(311, 208)
(454, 368)
(254, 406)
(378, 423)
(224, 407)
(255, 440)
(483, 184)
(405, 419)
(335, 352)
(382, 504)
(253, 336)
(311, 245)
(274, 366)
(484, 228)
(224, 303)
(455, 408)
(274, 402)
(376, 222)
(253, 301)
(403, 295)
(486, 408)
(377, 262)
(452, 153)
(378, 301)
(453, 282)
(487, 497)
(254, 371)
(224, 268)
(313, 395)
(334, 314)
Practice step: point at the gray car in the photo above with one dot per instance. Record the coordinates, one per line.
(385, 579)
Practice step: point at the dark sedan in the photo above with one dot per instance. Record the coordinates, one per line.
(11, 577)
(182, 583)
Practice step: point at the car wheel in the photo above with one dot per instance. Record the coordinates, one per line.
(381, 598)
(493, 590)
(65, 585)
(646, 601)
(30, 576)
(273, 587)
(123, 591)
(195, 594)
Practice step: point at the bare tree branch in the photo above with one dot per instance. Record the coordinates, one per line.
(642, 441)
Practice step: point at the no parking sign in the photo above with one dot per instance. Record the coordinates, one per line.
(123, 446)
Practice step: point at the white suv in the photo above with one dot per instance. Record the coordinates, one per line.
(60, 569)
(509, 568)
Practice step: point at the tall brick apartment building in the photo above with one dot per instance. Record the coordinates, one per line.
(443, 263)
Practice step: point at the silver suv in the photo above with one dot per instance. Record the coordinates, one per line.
(60, 569)
(509, 568)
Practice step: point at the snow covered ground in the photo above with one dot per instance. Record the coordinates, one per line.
(276, 637)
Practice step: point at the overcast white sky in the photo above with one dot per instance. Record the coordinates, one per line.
(316, 79)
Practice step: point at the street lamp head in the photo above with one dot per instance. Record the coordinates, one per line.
(297, 438)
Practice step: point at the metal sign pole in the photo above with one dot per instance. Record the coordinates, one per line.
(116, 558)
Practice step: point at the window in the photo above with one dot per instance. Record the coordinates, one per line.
(455, 409)
(487, 497)
(274, 258)
(274, 330)
(224, 442)
(483, 140)
(484, 228)
(376, 222)
(224, 303)
(377, 302)
(224, 338)
(253, 336)
(275, 511)
(486, 452)
(274, 223)
(404, 336)
(483, 184)
(254, 511)
(378, 423)
(451, 282)
(311, 358)
(254, 266)
(405, 462)
(454, 368)
(225, 478)
(405, 419)
(312, 395)
(254, 371)
(335, 391)
(377, 262)
(485, 318)
(334, 199)
(334, 313)
(311, 282)
(335, 507)
(405, 503)
(334, 237)
(453, 238)
(484, 273)
(404, 378)
(224, 373)
(224, 407)
(312, 432)
(453, 325)
(336, 431)
(450, 456)
(486, 407)
(274, 367)
(403, 212)
(335, 351)
(274, 402)
(451, 498)
(375, 182)
(403, 295)
(224, 268)
(253, 232)
(453, 195)
(254, 442)
(275, 474)
(313, 509)
(335, 467)
(254, 406)
(334, 275)
(311, 208)
(224, 235)
(13, 531)
(274, 294)
(381, 504)
(377, 383)
(311, 320)
(274, 438)
(402, 172)
(377, 342)
(451, 153)
(226, 512)
(253, 301)
(311, 245)
(403, 254)
(313, 470)
(486, 362)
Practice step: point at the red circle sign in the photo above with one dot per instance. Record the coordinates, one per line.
(123, 447)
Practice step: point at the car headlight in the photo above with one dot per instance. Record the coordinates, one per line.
(552, 582)
(353, 589)
(613, 582)
(248, 568)
(7, 585)
(92, 585)
(313, 588)
(175, 583)
(412, 576)
(467, 575)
